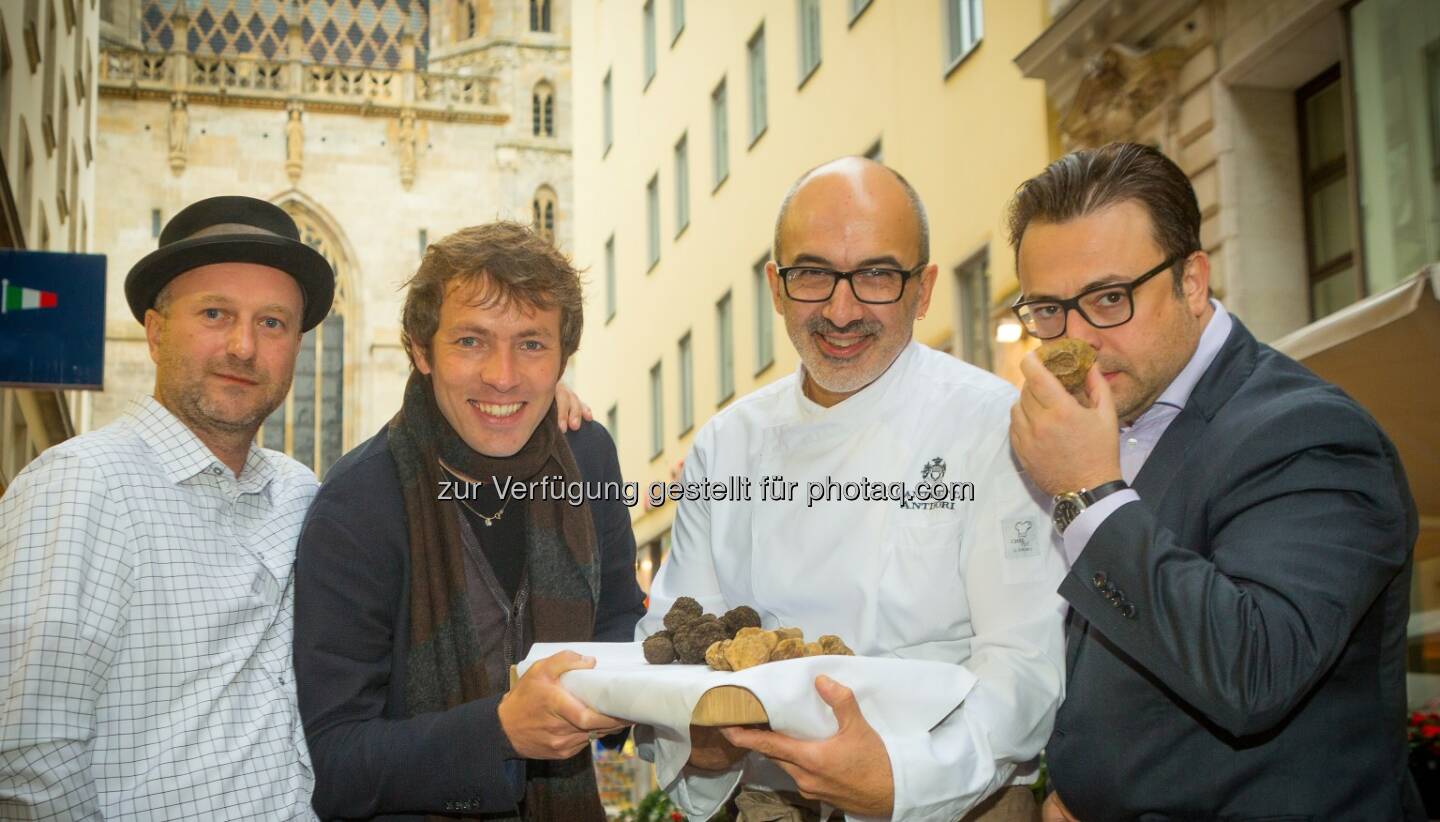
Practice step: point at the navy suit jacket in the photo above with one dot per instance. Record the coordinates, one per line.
(1236, 645)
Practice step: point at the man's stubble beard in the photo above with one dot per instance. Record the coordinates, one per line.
(185, 396)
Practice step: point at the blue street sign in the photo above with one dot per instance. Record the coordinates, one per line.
(52, 319)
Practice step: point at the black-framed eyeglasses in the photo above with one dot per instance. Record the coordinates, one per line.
(1104, 306)
(876, 285)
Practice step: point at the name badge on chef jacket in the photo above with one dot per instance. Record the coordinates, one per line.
(1025, 541)
(1022, 537)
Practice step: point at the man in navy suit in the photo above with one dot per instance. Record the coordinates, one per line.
(1239, 530)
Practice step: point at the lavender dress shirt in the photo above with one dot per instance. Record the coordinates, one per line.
(1138, 439)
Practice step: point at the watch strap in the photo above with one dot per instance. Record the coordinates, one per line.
(1099, 492)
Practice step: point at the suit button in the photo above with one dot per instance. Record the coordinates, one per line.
(1117, 593)
(1100, 580)
(1128, 610)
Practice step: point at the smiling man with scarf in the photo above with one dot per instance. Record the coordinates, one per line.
(418, 584)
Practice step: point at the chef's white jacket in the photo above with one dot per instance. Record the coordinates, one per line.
(971, 583)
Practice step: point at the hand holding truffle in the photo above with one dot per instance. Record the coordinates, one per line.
(1062, 444)
(850, 770)
(542, 720)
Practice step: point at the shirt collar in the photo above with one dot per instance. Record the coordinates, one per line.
(1212, 339)
(183, 455)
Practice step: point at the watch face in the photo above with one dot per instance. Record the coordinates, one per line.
(1065, 512)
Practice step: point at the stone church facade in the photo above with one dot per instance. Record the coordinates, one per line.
(378, 124)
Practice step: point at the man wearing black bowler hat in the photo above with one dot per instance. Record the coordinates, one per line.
(145, 568)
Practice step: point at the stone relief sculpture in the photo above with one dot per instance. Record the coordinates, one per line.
(294, 144)
(179, 132)
(406, 141)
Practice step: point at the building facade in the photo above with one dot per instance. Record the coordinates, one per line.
(695, 118)
(379, 125)
(47, 181)
(1311, 132)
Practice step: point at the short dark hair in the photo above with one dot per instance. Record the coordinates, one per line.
(511, 263)
(1084, 182)
(916, 207)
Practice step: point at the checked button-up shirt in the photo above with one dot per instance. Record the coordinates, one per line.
(146, 619)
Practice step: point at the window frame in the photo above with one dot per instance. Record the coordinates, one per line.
(685, 354)
(612, 283)
(652, 222)
(657, 410)
(651, 57)
(802, 28)
(949, 8)
(756, 75)
(682, 184)
(764, 315)
(725, 349)
(719, 134)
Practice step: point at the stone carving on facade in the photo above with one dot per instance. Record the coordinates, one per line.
(294, 144)
(179, 132)
(406, 142)
(1120, 87)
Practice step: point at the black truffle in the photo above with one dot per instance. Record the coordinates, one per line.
(692, 640)
(742, 616)
(659, 650)
(683, 611)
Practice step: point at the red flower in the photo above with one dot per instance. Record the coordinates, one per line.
(1430, 731)
(676, 816)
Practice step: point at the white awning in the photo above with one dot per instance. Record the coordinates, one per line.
(1385, 352)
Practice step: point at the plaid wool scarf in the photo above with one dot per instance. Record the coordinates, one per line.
(445, 667)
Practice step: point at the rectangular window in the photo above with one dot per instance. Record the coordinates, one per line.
(155, 223)
(764, 316)
(964, 26)
(607, 103)
(1335, 280)
(611, 287)
(649, 42)
(719, 134)
(657, 412)
(755, 50)
(808, 12)
(858, 7)
(682, 184)
(725, 347)
(677, 19)
(687, 385)
(423, 240)
(1396, 127)
(973, 291)
(612, 424)
(652, 214)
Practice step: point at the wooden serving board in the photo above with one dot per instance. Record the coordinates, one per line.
(725, 705)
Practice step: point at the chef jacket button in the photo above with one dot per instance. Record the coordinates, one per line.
(1128, 610)
(1100, 580)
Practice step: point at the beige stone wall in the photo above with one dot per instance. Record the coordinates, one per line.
(465, 173)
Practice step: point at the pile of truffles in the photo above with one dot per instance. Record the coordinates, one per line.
(732, 642)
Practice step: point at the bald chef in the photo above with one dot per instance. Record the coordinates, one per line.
(969, 581)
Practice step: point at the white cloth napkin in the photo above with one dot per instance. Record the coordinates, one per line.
(896, 696)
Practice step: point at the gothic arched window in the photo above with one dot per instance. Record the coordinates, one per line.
(543, 210)
(310, 424)
(542, 110)
(539, 15)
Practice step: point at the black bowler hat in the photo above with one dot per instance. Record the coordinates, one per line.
(232, 230)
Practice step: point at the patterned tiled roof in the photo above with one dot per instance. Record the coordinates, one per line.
(335, 32)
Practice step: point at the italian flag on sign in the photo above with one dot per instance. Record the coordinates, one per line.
(16, 298)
